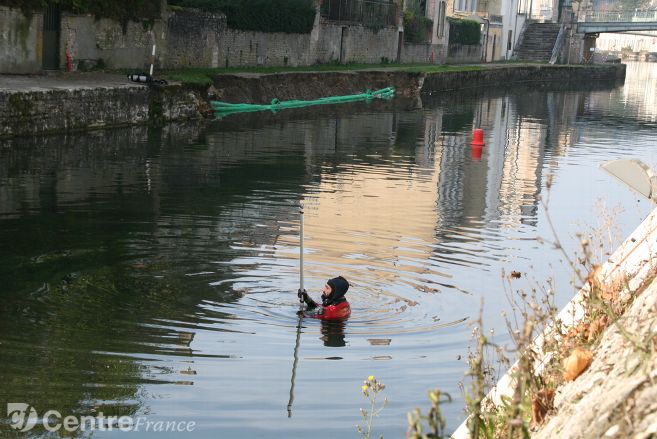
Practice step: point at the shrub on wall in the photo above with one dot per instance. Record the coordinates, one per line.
(290, 16)
(25, 5)
(465, 32)
(417, 28)
(121, 10)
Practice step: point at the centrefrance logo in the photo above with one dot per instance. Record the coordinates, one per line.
(24, 417)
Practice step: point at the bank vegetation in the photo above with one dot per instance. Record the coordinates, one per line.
(588, 371)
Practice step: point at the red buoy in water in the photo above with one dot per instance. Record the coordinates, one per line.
(478, 137)
(476, 151)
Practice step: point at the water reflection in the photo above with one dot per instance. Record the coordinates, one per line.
(333, 334)
(154, 272)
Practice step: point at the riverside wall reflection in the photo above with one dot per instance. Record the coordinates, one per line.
(634, 105)
(521, 136)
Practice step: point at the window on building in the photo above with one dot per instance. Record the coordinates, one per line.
(508, 41)
(465, 5)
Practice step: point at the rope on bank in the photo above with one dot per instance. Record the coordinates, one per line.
(225, 108)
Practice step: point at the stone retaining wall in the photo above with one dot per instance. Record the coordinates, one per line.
(95, 43)
(193, 39)
(423, 52)
(190, 38)
(246, 48)
(365, 45)
(508, 76)
(89, 106)
(65, 110)
(463, 53)
(21, 41)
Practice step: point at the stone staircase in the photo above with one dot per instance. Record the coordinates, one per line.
(537, 42)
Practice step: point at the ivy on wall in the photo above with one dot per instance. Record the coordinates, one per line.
(417, 27)
(465, 32)
(121, 10)
(26, 5)
(289, 16)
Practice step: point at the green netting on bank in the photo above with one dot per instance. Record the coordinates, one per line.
(224, 108)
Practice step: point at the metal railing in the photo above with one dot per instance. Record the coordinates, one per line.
(558, 44)
(371, 13)
(621, 17)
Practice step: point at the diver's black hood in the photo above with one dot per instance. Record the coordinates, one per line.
(339, 287)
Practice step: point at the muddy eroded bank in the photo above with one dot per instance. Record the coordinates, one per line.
(262, 88)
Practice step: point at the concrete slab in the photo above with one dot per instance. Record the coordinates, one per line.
(64, 81)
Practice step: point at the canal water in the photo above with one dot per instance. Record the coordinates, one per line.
(152, 273)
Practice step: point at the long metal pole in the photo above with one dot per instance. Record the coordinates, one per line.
(298, 341)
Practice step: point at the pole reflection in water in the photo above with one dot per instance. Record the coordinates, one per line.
(294, 367)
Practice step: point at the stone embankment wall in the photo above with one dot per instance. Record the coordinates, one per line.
(509, 76)
(87, 105)
(65, 110)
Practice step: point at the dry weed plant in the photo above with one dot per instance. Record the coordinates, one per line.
(560, 353)
(481, 376)
(544, 362)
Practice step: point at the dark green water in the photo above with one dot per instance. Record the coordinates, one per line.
(152, 272)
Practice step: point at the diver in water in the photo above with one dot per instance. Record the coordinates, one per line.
(334, 305)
